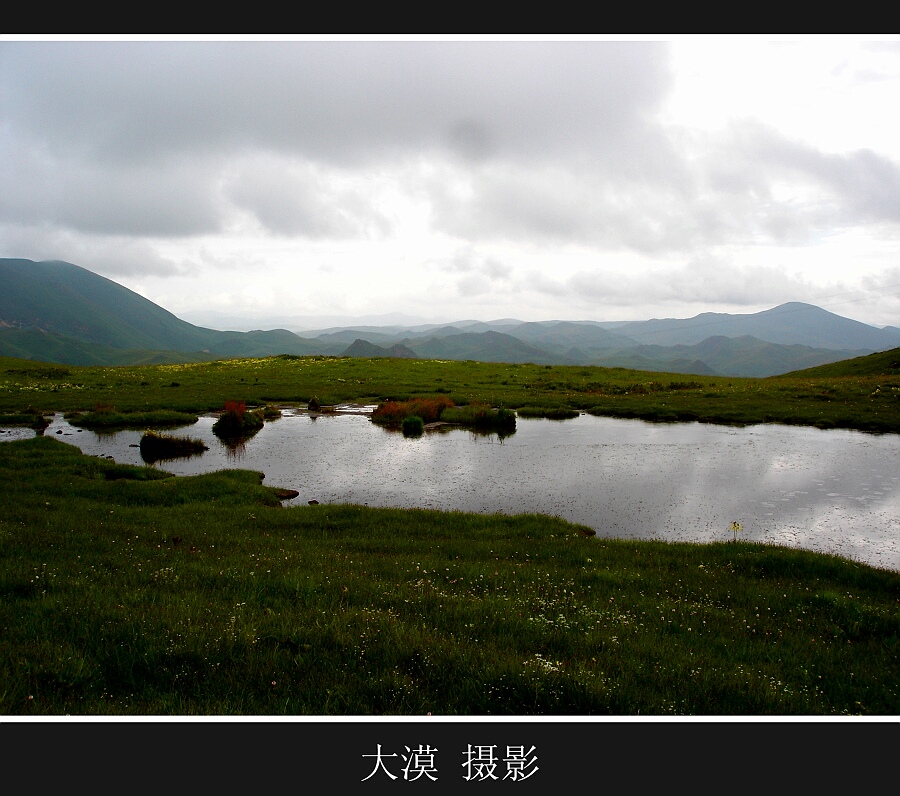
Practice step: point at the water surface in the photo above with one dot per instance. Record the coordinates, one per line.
(835, 491)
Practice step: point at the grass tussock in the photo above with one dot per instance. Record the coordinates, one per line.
(413, 426)
(408, 414)
(157, 447)
(126, 591)
(235, 420)
(481, 416)
(393, 413)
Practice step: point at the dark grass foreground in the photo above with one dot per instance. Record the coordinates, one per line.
(123, 591)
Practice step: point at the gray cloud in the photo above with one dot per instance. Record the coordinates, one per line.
(138, 137)
(709, 280)
(553, 141)
(111, 256)
(298, 199)
(748, 186)
(475, 274)
(861, 186)
(329, 100)
(167, 199)
(112, 151)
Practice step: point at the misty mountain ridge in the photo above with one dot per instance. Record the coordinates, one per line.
(59, 312)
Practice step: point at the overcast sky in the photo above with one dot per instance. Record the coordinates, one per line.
(460, 179)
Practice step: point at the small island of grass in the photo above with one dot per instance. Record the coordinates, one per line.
(155, 447)
(408, 414)
(105, 416)
(549, 412)
(236, 421)
(31, 417)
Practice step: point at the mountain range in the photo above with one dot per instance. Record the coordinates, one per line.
(55, 311)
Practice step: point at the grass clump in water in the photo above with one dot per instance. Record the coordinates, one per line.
(155, 447)
(236, 421)
(428, 410)
(481, 416)
(549, 412)
(413, 426)
(105, 416)
(31, 417)
(442, 409)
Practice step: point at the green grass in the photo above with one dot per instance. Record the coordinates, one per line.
(106, 417)
(549, 412)
(28, 417)
(862, 394)
(481, 416)
(127, 591)
(413, 426)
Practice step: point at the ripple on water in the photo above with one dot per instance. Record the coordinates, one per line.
(625, 478)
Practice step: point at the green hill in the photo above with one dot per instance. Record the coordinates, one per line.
(67, 300)
(883, 363)
(48, 347)
(61, 312)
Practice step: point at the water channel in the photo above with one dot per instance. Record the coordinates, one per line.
(834, 491)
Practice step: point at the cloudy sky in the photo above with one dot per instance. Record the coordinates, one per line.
(300, 182)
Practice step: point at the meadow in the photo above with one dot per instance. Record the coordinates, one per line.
(861, 393)
(127, 591)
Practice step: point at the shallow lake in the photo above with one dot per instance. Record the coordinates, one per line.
(831, 491)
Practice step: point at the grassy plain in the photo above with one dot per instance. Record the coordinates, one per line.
(862, 393)
(127, 591)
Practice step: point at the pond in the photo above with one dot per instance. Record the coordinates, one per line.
(834, 491)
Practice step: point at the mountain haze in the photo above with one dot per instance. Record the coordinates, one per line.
(55, 311)
(793, 323)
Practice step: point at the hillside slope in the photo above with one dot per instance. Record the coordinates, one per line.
(80, 309)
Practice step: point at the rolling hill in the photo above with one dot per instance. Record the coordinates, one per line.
(85, 314)
(55, 311)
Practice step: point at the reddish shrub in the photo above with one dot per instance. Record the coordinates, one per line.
(393, 413)
(236, 408)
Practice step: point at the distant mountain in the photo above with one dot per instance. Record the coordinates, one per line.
(363, 348)
(480, 346)
(563, 336)
(793, 323)
(726, 356)
(59, 312)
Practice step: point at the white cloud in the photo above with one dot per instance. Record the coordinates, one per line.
(519, 178)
